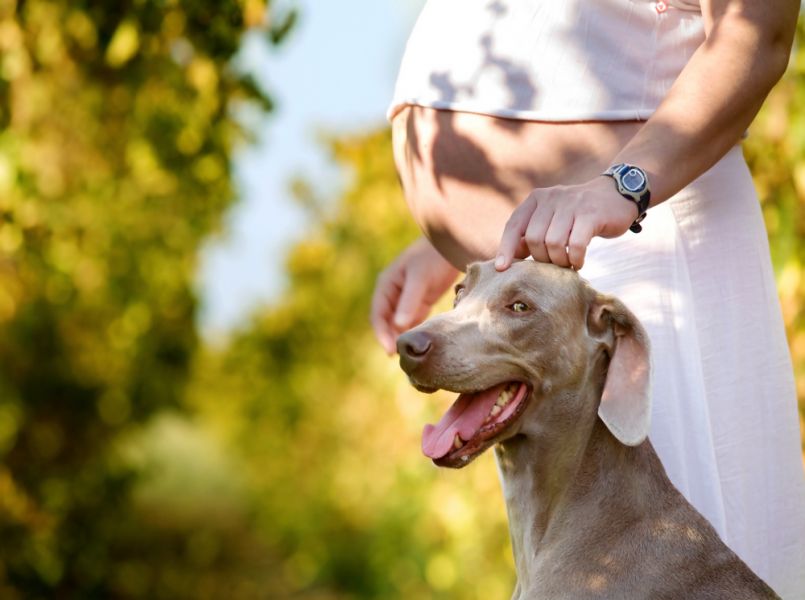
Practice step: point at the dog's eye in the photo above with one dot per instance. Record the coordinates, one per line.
(518, 306)
(459, 294)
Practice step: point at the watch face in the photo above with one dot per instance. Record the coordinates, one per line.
(634, 180)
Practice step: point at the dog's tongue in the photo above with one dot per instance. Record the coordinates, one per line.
(465, 418)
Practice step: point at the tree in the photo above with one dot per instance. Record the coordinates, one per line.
(116, 129)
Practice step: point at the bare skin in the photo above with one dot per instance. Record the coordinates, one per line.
(481, 187)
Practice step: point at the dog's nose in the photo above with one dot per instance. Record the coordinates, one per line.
(414, 345)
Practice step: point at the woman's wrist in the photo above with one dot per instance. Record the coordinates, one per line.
(617, 213)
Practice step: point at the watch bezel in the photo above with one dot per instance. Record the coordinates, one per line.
(634, 173)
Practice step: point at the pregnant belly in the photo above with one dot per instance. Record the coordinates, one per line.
(462, 173)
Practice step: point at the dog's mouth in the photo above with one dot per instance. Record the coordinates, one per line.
(473, 423)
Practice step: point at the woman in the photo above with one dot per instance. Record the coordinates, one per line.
(506, 114)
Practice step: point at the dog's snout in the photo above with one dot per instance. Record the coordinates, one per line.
(414, 345)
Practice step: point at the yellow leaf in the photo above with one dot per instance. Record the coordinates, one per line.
(124, 45)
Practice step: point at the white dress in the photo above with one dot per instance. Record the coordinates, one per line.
(724, 422)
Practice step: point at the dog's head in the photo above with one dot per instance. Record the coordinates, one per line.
(522, 344)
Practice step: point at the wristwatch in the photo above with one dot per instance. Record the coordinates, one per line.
(632, 183)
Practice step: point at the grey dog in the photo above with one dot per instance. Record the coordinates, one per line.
(557, 376)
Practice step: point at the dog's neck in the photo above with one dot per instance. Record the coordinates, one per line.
(557, 478)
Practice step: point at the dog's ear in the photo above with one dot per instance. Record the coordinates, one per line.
(626, 400)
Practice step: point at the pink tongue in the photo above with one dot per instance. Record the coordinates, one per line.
(465, 418)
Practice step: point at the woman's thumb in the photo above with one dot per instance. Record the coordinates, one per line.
(411, 301)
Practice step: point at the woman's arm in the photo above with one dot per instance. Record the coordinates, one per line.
(717, 94)
(710, 105)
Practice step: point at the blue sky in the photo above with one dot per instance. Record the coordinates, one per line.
(334, 73)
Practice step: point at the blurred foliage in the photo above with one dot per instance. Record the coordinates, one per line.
(116, 130)
(328, 428)
(136, 462)
(775, 151)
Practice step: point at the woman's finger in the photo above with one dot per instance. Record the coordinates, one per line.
(411, 302)
(556, 237)
(580, 237)
(384, 299)
(513, 232)
(536, 230)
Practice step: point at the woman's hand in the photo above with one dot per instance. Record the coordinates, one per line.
(556, 224)
(407, 289)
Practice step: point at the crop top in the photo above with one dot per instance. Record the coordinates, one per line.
(548, 60)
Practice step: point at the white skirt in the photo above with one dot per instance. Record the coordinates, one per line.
(724, 419)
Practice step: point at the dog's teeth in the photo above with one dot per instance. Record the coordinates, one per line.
(457, 443)
(496, 410)
(503, 398)
(465, 458)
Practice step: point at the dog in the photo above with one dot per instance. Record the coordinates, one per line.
(557, 377)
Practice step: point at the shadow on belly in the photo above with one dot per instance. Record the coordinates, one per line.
(463, 173)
